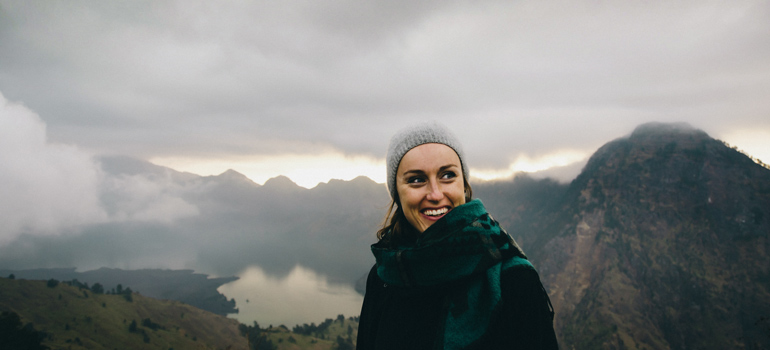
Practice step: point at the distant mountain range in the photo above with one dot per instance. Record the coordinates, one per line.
(661, 242)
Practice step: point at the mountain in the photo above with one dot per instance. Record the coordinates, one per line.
(660, 243)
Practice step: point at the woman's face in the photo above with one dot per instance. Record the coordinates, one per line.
(429, 182)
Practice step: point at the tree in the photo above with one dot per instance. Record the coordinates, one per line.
(344, 344)
(151, 325)
(11, 277)
(14, 336)
(52, 283)
(257, 340)
(97, 288)
(127, 294)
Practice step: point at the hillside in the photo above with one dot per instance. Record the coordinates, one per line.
(196, 289)
(79, 319)
(660, 243)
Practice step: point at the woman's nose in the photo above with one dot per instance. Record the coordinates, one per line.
(435, 193)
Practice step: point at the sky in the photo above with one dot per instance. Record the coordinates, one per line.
(314, 90)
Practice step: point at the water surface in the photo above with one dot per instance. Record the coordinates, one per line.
(301, 297)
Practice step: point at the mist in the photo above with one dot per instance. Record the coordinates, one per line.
(46, 188)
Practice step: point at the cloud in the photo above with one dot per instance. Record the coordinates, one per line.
(192, 80)
(50, 188)
(145, 198)
(46, 187)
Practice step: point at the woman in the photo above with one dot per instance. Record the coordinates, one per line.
(447, 275)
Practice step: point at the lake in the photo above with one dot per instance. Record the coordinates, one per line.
(301, 297)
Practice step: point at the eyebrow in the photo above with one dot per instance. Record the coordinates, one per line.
(418, 171)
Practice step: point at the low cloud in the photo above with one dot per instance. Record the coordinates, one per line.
(46, 188)
(143, 198)
(50, 189)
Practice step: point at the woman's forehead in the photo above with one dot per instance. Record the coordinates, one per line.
(427, 156)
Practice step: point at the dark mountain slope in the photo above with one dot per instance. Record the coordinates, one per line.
(662, 243)
(525, 207)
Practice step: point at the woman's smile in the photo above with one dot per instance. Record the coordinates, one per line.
(435, 212)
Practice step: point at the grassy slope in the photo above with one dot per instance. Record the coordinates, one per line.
(280, 337)
(99, 321)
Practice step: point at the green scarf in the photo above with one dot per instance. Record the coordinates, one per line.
(466, 246)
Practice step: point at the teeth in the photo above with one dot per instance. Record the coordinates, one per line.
(436, 212)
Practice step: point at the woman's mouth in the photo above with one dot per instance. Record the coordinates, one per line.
(436, 212)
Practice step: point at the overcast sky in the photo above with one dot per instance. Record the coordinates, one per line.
(314, 89)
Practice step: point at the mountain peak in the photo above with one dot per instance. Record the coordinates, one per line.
(231, 174)
(648, 141)
(657, 130)
(280, 182)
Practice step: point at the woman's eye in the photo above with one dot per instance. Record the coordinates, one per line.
(448, 175)
(414, 180)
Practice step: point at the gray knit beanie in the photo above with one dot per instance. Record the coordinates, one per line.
(413, 136)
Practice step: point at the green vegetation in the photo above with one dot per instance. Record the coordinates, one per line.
(70, 320)
(337, 334)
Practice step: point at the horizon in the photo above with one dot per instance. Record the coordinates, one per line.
(561, 166)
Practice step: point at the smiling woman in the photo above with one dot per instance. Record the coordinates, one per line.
(447, 275)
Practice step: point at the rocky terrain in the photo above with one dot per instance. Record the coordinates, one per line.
(660, 243)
